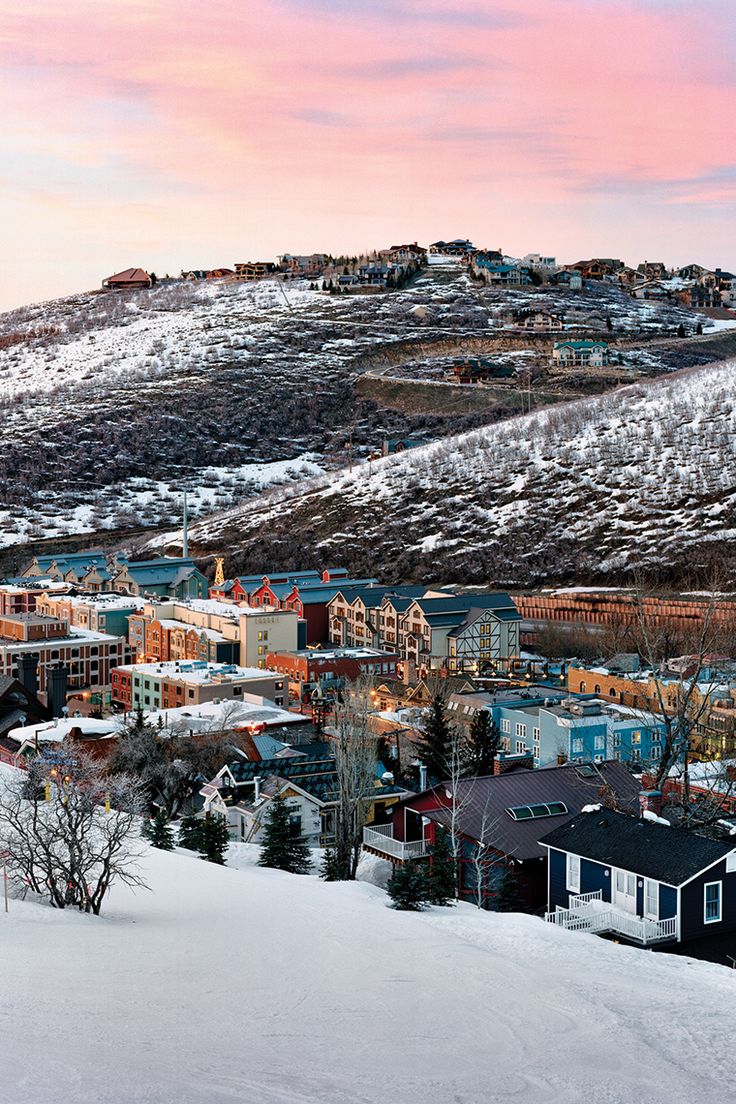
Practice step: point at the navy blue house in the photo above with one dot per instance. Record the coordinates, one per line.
(639, 879)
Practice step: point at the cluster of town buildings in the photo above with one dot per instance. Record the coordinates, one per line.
(569, 819)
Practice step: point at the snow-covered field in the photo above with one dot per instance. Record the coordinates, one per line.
(249, 985)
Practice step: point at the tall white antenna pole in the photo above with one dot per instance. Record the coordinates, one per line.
(185, 532)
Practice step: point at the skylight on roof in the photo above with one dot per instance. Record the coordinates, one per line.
(535, 812)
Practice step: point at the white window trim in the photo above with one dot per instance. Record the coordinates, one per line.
(713, 919)
(572, 880)
(647, 883)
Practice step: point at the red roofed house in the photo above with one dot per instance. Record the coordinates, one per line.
(129, 279)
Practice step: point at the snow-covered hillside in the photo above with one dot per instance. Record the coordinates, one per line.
(110, 402)
(642, 477)
(256, 986)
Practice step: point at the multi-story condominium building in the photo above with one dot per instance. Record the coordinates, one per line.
(165, 576)
(99, 612)
(212, 630)
(429, 628)
(355, 614)
(580, 730)
(330, 667)
(191, 682)
(555, 727)
(89, 657)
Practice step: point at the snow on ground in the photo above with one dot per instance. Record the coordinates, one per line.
(240, 985)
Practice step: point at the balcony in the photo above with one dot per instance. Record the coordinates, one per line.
(379, 840)
(589, 912)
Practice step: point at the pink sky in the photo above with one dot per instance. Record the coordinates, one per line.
(170, 135)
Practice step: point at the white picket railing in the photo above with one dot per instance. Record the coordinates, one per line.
(380, 838)
(588, 912)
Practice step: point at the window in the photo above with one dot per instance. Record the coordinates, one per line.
(505, 726)
(636, 737)
(534, 812)
(651, 899)
(578, 745)
(573, 872)
(520, 729)
(656, 750)
(731, 863)
(712, 902)
(520, 747)
(535, 735)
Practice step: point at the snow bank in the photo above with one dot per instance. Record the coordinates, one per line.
(245, 985)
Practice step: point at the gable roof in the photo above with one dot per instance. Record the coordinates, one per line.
(670, 855)
(492, 796)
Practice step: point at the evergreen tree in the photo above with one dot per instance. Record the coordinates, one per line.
(214, 839)
(435, 749)
(190, 833)
(158, 831)
(509, 898)
(699, 328)
(609, 323)
(407, 887)
(283, 847)
(484, 743)
(442, 882)
(681, 330)
(330, 871)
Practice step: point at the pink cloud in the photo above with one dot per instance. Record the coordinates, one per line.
(290, 124)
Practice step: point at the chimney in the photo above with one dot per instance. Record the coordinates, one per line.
(504, 762)
(257, 784)
(422, 777)
(650, 801)
(28, 672)
(409, 671)
(56, 680)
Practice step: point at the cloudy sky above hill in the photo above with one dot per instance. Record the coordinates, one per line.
(183, 134)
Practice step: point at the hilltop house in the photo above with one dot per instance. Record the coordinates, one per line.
(598, 268)
(538, 321)
(569, 278)
(587, 353)
(130, 279)
(458, 247)
(486, 267)
(308, 266)
(538, 262)
(639, 879)
(254, 270)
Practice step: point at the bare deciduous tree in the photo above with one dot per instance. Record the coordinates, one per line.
(68, 831)
(355, 755)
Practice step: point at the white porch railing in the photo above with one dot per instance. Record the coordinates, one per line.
(381, 838)
(589, 912)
